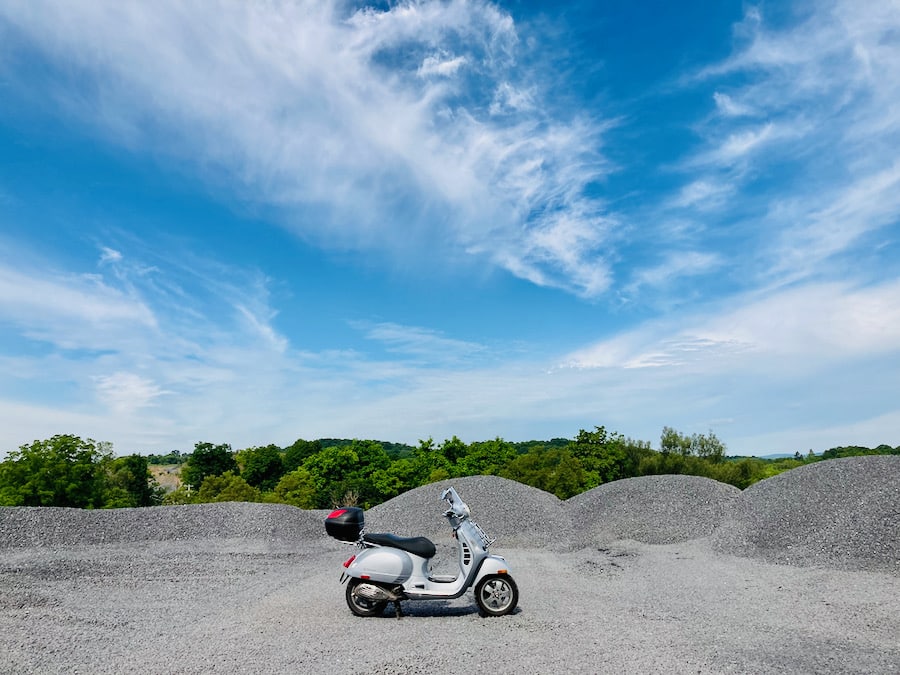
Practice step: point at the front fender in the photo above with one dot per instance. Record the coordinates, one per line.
(493, 564)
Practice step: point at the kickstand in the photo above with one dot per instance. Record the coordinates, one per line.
(398, 610)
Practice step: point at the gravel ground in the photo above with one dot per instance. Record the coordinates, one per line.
(236, 588)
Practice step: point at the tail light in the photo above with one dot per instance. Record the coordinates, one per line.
(350, 560)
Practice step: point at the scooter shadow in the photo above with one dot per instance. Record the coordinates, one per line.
(434, 609)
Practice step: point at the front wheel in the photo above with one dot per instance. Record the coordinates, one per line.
(362, 606)
(497, 595)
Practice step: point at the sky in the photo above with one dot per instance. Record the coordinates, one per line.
(252, 221)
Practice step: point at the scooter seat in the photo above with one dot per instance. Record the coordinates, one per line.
(420, 546)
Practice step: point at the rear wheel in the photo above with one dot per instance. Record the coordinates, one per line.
(360, 605)
(497, 595)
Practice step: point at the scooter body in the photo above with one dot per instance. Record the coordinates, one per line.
(389, 568)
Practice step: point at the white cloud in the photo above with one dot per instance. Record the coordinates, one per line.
(508, 98)
(819, 227)
(805, 139)
(676, 265)
(109, 255)
(421, 343)
(141, 356)
(263, 328)
(441, 66)
(789, 331)
(339, 116)
(740, 143)
(125, 392)
(731, 108)
(694, 372)
(72, 311)
(703, 194)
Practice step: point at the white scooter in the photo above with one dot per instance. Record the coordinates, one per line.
(390, 568)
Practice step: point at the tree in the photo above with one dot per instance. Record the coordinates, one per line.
(331, 470)
(402, 475)
(673, 442)
(134, 485)
(297, 489)
(372, 459)
(635, 452)
(486, 458)
(705, 447)
(454, 450)
(262, 467)
(181, 495)
(429, 463)
(603, 456)
(207, 460)
(227, 487)
(708, 447)
(550, 469)
(174, 457)
(62, 471)
(296, 453)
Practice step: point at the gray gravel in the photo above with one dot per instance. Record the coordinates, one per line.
(235, 588)
(652, 509)
(842, 513)
(512, 513)
(272, 525)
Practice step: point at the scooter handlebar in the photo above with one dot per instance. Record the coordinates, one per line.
(458, 507)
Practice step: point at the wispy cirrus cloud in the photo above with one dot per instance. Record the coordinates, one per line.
(125, 392)
(676, 266)
(426, 346)
(819, 95)
(130, 333)
(72, 311)
(368, 128)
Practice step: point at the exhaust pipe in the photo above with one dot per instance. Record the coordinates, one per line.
(376, 593)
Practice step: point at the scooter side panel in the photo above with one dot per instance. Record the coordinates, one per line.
(384, 564)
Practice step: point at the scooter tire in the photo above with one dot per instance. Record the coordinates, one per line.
(496, 595)
(363, 606)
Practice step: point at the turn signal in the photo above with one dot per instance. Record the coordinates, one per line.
(501, 571)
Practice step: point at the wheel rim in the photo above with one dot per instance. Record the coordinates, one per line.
(496, 595)
(364, 604)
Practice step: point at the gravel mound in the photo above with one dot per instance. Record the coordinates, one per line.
(267, 524)
(651, 509)
(842, 513)
(514, 514)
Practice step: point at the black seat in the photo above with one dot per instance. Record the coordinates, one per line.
(421, 546)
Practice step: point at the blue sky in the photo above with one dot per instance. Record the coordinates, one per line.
(252, 222)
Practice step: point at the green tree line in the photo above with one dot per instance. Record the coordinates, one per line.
(68, 471)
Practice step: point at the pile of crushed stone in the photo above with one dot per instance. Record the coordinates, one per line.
(23, 527)
(512, 513)
(651, 509)
(841, 513)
